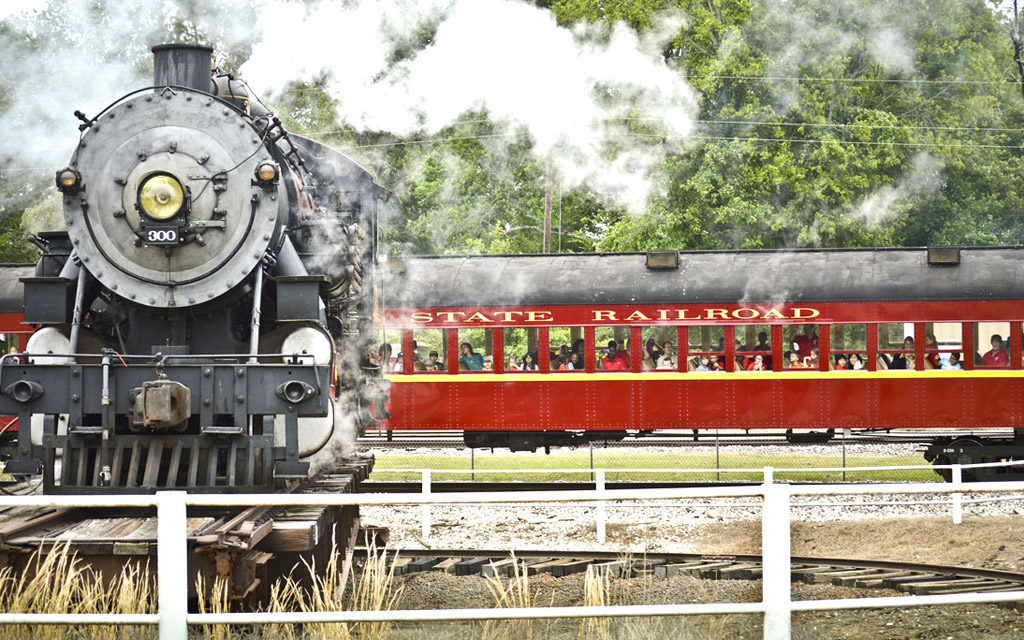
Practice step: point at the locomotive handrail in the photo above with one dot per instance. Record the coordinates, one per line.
(173, 618)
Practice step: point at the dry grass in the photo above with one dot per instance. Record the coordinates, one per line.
(58, 582)
(373, 589)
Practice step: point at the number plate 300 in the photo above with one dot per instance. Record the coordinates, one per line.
(161, 236)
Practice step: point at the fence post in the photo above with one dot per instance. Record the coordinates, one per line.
(425, 508)
(172, 564)
(601, 513)
(775, 560)
(958, 498)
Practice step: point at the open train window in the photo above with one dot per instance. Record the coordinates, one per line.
(706, 348)
(943, 345)
(991, 345)
(567, 349)
(620, 360)
(848, 347)
(660, 351)
(896, 346)
(388, 351)
(801, 347)
(521, 345)
(476, 350)
(754, 347)
(430, 351)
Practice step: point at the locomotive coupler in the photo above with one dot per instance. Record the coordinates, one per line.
(160, 404)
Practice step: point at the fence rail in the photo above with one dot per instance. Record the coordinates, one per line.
(776, 606)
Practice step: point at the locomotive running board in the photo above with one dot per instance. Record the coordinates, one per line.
(147, 463)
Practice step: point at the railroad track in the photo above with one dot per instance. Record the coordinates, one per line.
(912, 578)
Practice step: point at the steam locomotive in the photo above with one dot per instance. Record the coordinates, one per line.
(193, 318)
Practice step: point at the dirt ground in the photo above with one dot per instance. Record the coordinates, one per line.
(990, 543)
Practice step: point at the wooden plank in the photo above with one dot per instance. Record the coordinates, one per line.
(291, 535)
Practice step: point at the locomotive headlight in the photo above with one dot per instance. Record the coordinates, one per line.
(267, 174)
(161, 196)
(69, 181)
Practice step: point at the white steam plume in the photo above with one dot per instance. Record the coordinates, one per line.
(577, 92)
(922, 178)
(79, 54)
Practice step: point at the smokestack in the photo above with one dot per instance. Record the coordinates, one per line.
(183, 65)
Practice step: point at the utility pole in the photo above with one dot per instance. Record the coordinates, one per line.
(1015, 36)
(547, 207)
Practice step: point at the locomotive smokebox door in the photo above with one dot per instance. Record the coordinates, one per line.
(161, 404)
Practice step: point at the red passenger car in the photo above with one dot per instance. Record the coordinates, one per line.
(803, 339)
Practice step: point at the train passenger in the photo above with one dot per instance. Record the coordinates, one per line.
(856, 362)
(384, 356)
(933, 360)
(806, 341)
(468, 359)
(899, 360)
(715, 364)
(513, 363)
(433, 363)
(812, 361)
(793, 360)
(757, 364)
(667, 359)
(579, 347)
(842, 363)
(572, 364)
(996, 356)
(703, 364)
(652, 350)
(615, 360)
(952, 363)
(530, 362)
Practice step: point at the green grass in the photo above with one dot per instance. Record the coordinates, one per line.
(616, 459)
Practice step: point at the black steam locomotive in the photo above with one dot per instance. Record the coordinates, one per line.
(195, 316)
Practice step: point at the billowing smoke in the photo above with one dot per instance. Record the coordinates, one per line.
(602, 105)
(922, 177)
(81, 55)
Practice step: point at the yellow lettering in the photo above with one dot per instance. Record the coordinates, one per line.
(538, 316)
(507, 316)
(637, 315)
(478, 317)
(721, 314)
(773, 313)
(422, 316)
(681, 315)
(811, 313)
(662, 314)
(450, 315)
(745, 314)
(600, 315)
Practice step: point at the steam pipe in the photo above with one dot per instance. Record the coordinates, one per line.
(76, 318)
(288, 261)
(254, 334)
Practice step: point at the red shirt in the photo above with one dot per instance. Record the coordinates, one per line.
(995, 358)
(619, 363)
